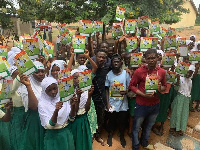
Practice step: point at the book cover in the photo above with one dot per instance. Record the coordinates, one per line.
(115, 90)
(117, 30)
(136, 59)
(155, 27)
(49, 47)
(24, 63)
(17, 44)
(154, 42)
(85, 80)
(31, 46)
(181, 41)
(6, 91)
(64, 73)
(143, 22)
(66, 88)
(163, 32)
(3, 51)
(71, 32)
(145, 43)
(182, 68)
(65, 38)
(168, 59)
(171, 31)
(172, 42)
(183, 50)
(131, 44)
(62, 28)
(151, 84)
(120, 13)
(194, 56)
(78, 43)
(170, 77)
(85, 27)
(98, 26)
(4, 66)
(45, 53)
(130, 26)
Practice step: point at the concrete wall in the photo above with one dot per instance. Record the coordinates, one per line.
(188, 19)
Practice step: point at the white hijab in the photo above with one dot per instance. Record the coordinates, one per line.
(47, 105)
(11, 54)
(58, 63)
(35, 85)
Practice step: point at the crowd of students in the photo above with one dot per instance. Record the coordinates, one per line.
(36, 119)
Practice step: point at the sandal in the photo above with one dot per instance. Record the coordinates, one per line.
(180, 133)
(157, 132)
(100, 140)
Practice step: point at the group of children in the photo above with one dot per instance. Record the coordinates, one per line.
(39, 120)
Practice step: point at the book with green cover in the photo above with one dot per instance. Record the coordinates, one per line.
(129, 26)
(45, 53)
(182, 68)
(3, 51)
(98, 26)
(24, 63)
(17, 44)
(163, 32)
(65, 38)
(115, 90)
(136, 59)
(49, 47)
(151, 84)
(120, 13)
(85, 27)
(4, 66)
(143, 22)
(181, 41)
(155, 27)
(31, 46)
(131, 43)
(117, 30)
(64, 73)
(66, 88)
(168, 59)
(194, 56)
(154, 42)
(170, 77)
(145, 43)
(171, 31)
(85, 80)
(78, 43)
(62, 28)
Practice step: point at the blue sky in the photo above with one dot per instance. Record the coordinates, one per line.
(197, 2)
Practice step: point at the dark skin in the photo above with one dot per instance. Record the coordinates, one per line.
(104, 46)
(7, 116)
(110, 51)
(192, 38)
(52, 91)
(39, 75)
(81, 59)
(100, 59)
(54, 71)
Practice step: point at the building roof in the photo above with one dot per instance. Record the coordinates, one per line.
(193, 5)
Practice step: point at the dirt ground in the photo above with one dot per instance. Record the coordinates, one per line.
(194, 117)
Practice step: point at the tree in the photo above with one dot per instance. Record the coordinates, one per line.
(198, 17)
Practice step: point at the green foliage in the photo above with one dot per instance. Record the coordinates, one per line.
(198, 17)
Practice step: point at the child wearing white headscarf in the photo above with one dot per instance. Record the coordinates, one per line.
(60, 64)
(33, 136)
(180, 104)
(54, 116)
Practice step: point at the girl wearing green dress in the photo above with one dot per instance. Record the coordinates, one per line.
(54, 116)
(81, 127)
(33, 133)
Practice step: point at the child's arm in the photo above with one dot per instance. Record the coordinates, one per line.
(107, 98)
(93, 64)
(32, 100)
(92, 49)
(53, 120)
(78, 93)
(7, 116)
(74, 104)
(88, 103)
(71, 58)
(196, 69)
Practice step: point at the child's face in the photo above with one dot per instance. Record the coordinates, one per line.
(189, 74)
(127, 59)
(104, 46)
(116, 63)
(39, 75)
(110, 51)
(54, 71)
(186, 59)
(75, 79)
(159, 57)
(81, 59)
(52, 90)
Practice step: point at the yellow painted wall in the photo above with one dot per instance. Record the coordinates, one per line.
(188, 19)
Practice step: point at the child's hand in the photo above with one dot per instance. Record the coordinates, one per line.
(159, 87)
(123, 92)
(149, 95)
(42, 60)
(79, 92)
(91, 90)
(24, 80)
(9, 105)
(87, 53)
(72, 51)
(178, 76)
(0, 77)
(59, 105)
(73, 100)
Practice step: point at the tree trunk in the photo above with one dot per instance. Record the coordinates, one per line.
(104, 33)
